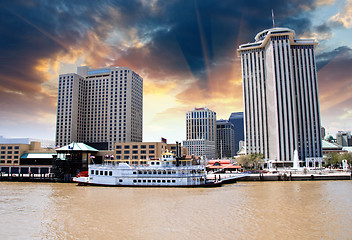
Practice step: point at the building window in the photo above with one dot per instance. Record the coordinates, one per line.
(143, 146)
(151, 151)
(135, 146)
(127, 147)
(151, 146)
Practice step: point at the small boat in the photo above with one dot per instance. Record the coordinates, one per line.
(165, 172)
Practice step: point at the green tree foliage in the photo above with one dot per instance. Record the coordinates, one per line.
(252, 161)
(335, 159)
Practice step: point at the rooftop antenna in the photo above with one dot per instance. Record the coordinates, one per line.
(272, 15)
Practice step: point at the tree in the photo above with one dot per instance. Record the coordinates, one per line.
(252, 161)
(335, 159)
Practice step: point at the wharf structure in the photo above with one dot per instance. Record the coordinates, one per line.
(25, 159)
(280, 91)
(99, 107)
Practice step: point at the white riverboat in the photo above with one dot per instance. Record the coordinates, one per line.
(164, 172)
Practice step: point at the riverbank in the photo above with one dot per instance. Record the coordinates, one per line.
(284, 176)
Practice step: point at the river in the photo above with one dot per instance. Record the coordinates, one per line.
(245, 210)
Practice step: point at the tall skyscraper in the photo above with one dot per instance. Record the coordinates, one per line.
(201, 133)
(281, 96)
(322, 132)
(236, 119)
(344, 138)
(100, 106)
(225, 140)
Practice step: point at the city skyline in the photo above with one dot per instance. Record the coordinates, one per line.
(186, 61)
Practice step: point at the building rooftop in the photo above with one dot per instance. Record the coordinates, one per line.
(37, 155)
(77, 147)
(329, 145)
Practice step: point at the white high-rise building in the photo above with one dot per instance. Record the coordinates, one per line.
(201, 133)
(280, 93)
(100, 106)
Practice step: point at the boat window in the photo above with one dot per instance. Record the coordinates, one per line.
(96, 172)
(91, 171)
(134, 180)
(101, 173)
(139, 180)
(173, 172)
(159, 172)
(152, 163)
(164, 172)
(158, 181)
(140, 172)
(154, 181)
(110, 173)
(154, 172)
(149, 181)
(120, 180)
(168, 181)
(168, 172)
(106, 173)
(163, 181)
(145, 172)
(173, 181)
(157, 163)
(144, 180)
(134, 172)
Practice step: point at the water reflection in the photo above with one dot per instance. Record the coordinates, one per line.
(258, 210)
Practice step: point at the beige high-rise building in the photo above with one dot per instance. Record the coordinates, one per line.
(100, 106)
(280, 93)
(201, 133)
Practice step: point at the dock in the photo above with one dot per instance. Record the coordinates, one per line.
(282, 176)
(30, 177)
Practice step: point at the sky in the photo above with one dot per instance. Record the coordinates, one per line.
(185, 50)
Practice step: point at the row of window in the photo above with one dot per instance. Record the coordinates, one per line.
(153, 181)
(134, 146)
(9, 161)
(9, 147)
(135, 152)
(127, 157)
(9, 152)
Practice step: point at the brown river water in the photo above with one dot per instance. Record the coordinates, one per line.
(245, 210)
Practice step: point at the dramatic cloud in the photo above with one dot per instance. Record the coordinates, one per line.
(345, 16)
(185, 50)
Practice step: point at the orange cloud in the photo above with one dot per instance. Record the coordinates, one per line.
(344, 16)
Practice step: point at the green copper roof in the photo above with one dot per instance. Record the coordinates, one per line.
(77, 147)
(330, 145)
(37, 155)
